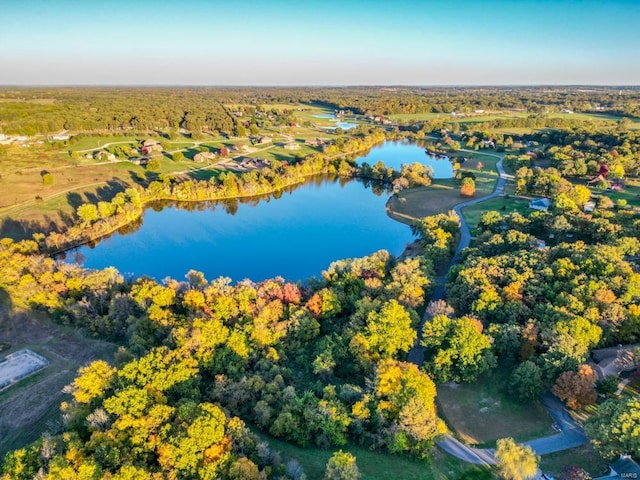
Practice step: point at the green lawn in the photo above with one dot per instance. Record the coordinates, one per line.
(443, 194)
(378, 465)
(504, 205)
(482, 412)
(585, 457)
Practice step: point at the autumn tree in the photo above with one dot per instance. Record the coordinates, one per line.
(342, 466)
(515, 461)
(467, 187)
(577, 389)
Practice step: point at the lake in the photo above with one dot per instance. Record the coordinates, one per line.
(295, 236)
(394, 154)
(338, 123)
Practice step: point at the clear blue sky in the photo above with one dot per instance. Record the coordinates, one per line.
(278, 42)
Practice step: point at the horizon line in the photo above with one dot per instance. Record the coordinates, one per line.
(355, 85)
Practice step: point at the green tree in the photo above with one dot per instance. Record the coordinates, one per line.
(456, 349)
(515, 462)
(386, 333)
(177, 156)
(342, 466)
(614, 428)
(525, 383)
(153, 165)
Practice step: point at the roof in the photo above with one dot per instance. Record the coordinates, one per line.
(624, 467)
(540, 203)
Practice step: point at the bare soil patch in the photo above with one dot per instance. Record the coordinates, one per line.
(30, 407)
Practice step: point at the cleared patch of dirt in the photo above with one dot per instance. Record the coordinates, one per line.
(31, 406)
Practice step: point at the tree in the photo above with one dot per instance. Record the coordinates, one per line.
(88, 213)
(456, 349)
(515, 462)
(177, 156)
(468, 187)
(614, 428)
(153, 165)
(241, 131)
(342, 466)
(92, 381)
(387, 332)
(244, 469)
(574, 473)
(525, 383)
(47, 179)
(577, 388)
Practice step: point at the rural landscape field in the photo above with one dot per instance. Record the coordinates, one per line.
(259, 240)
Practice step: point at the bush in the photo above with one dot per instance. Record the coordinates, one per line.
(153, 165)
(47, 179)
(177, 156)
(608, 385)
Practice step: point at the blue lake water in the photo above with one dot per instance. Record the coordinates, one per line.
(295, 236)
(337, 121)
(395, 154)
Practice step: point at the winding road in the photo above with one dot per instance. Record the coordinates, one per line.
(571, 434)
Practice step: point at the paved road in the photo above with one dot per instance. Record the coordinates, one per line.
(571, 434)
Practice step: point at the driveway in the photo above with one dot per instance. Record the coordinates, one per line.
(571, 434)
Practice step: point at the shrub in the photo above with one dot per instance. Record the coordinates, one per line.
(47, 179)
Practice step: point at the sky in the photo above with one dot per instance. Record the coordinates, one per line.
(350, 42)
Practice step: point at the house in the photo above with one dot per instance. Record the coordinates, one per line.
(613, 360)
(139, 160)
(103, 155)
(262, 140)
(253, 163)
(60, 137)
(541, 204)
(589, 207)
(203, 157)
(566, 110)
(539, 244)
(223, 152)
(2, 136)
(479, 110)
(314, 142)
(624, 467)
(293, 146)
(149, 146)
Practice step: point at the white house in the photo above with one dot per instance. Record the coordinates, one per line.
(541, 204)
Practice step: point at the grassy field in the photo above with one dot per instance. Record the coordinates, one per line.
(30, 407)
(504, 205)
(443, 195)
(585, 457)
(378, 465)
(482, 412)
(408, 117)
(631, 193)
